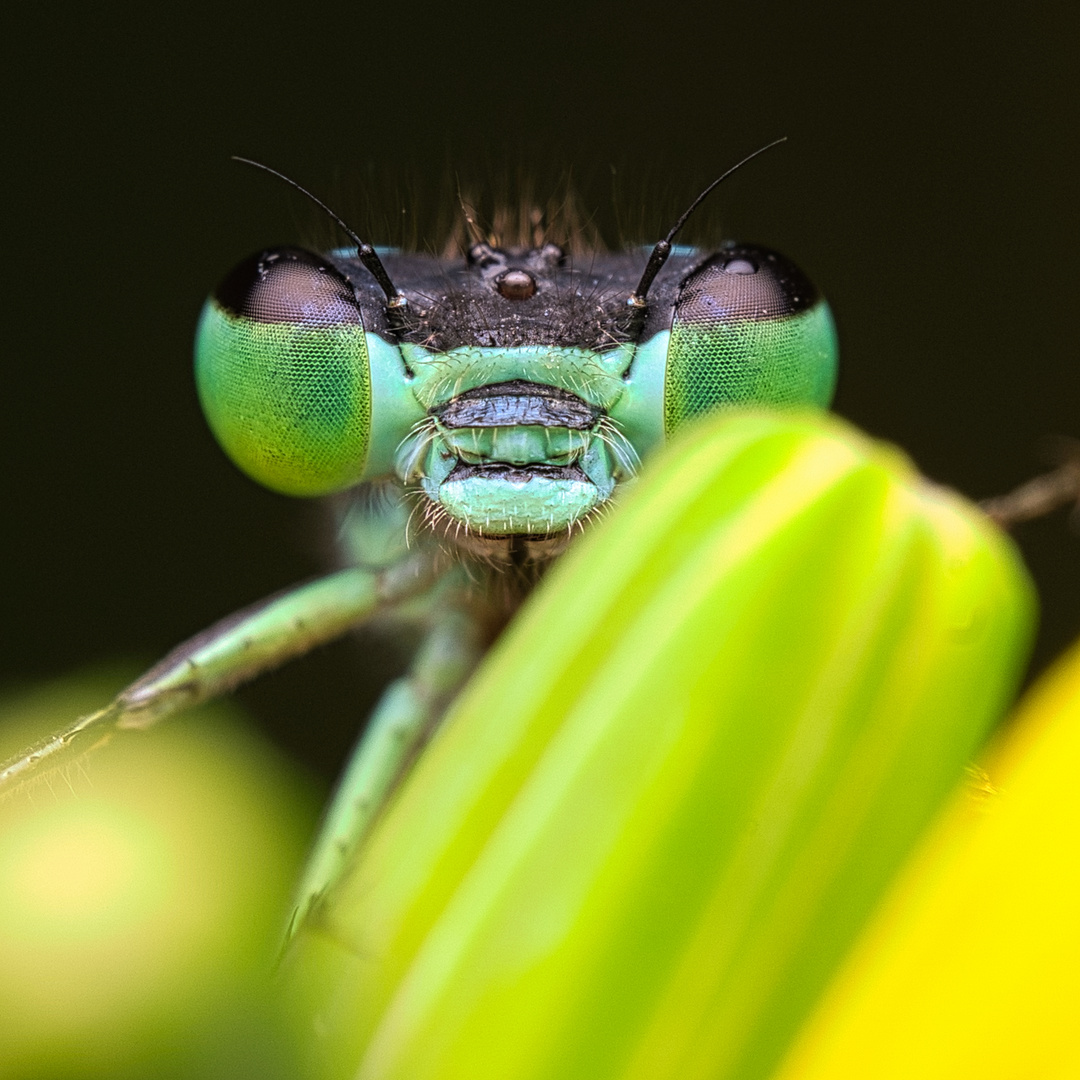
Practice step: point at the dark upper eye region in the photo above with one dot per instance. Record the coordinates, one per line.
(289, 285)
(745, 282)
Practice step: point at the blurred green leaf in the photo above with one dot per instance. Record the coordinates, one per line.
(650, 828)
(141, 897)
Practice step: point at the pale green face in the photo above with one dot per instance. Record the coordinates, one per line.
(516, 392)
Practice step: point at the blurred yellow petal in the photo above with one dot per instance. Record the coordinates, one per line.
(972, 969)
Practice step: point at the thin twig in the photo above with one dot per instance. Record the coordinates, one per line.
(1041, 495)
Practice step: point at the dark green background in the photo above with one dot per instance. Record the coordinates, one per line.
(929, 187)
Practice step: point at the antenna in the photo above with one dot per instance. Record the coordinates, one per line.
(395, 300)
(660, 253)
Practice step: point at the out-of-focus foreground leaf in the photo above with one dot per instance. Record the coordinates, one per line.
(972, 970)
(657, 818)
(141, 897)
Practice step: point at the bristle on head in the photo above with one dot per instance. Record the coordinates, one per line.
(523, 223)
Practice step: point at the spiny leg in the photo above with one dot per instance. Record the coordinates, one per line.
(404, 718)
(233, 651)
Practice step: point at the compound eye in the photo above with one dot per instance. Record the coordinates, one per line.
(749, 329)
(281, 364)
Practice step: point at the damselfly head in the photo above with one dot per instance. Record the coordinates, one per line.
(512, 386)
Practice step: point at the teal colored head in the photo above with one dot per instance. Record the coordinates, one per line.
(514, 392)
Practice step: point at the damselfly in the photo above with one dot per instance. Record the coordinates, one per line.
(476, 414)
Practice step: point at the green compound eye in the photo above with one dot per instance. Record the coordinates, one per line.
(281, 364)
(748, 328)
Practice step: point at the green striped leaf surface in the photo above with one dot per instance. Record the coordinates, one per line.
(653, 823)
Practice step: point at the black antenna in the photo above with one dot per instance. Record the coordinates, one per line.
(660, 253)
(364, 251)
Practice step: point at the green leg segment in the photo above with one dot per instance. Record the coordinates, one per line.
(232, 651)
(404, 718)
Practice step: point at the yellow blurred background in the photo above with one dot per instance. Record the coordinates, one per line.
(143, 891)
